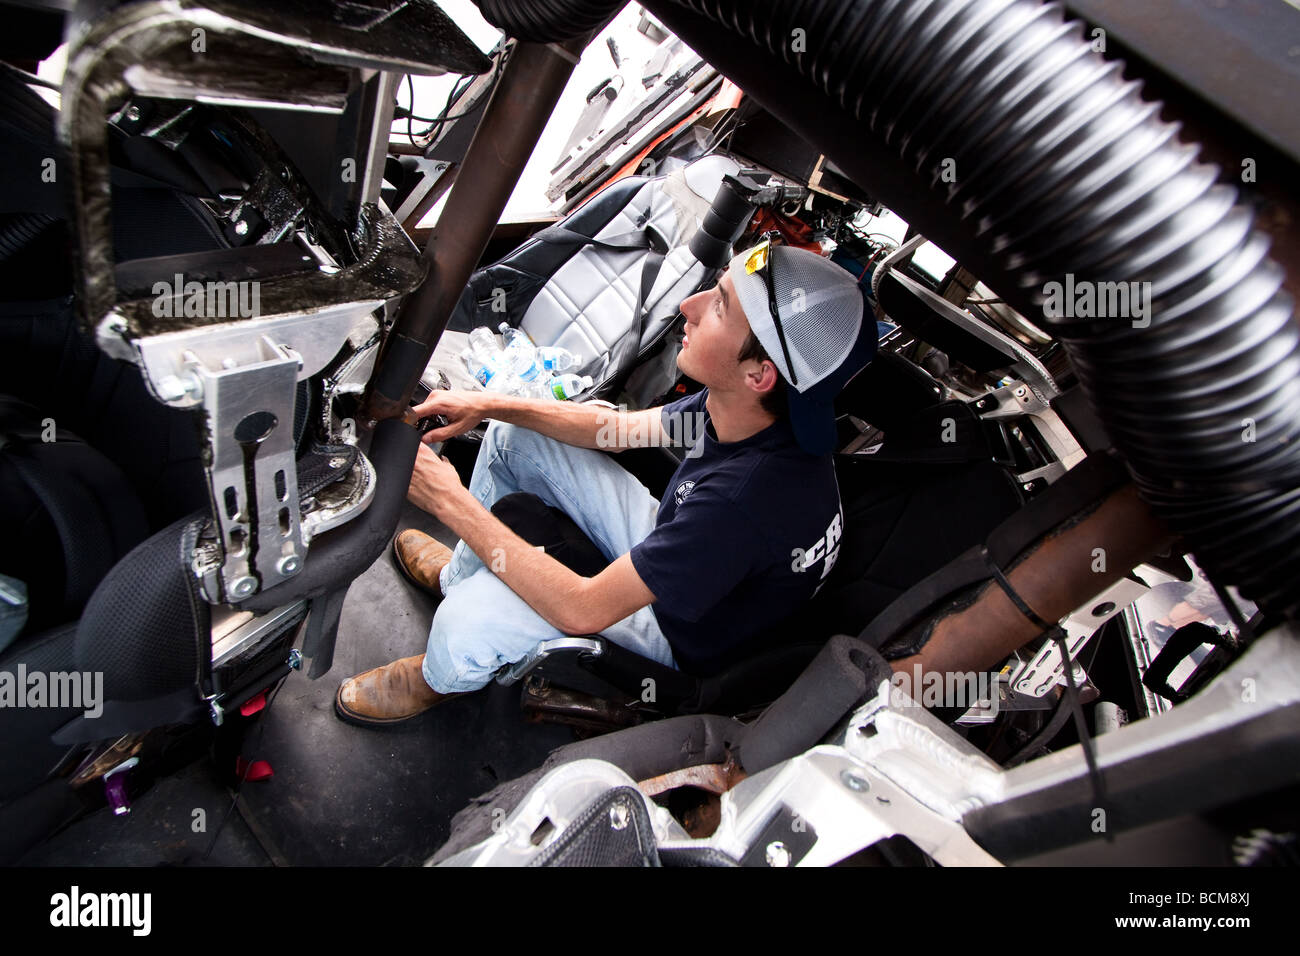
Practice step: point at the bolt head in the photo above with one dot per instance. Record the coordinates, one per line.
(241, 227)
(777, 854)
(171, 388)
(289, 564)
(133, 114)
(174, 388)
(855, 781)
(619, 816)
(338, 462)
(243, 587)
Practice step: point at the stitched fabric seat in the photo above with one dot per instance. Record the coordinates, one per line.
(578, 284)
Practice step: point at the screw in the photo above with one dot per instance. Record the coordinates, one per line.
(243, 587)
(295, 659)
(241, 227)
(288, 565)
(777, 854)
(174, 388)
(618, 816)
(1021, 392)
(133, 114)
(855, 782)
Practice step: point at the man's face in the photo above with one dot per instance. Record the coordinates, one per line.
(716, 330)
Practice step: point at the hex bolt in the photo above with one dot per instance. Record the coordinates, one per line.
(618, 816)
(243, 587)
(777, 854)
(170, 388)
(855, 781)
(295, 659)
(288, 564)
(174, 388)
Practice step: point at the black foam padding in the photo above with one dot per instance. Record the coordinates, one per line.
(138, 627)
(846, 672)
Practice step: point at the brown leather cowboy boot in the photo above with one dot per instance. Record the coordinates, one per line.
(387, 695)
(421, 559)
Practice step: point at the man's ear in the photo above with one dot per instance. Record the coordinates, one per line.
(763, 379)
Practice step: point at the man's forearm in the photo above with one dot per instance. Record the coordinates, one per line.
(583, 425)
(549, 588)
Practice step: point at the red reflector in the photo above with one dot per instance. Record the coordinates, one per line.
(257, 770)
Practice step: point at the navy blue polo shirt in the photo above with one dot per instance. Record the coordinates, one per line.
(745, 534)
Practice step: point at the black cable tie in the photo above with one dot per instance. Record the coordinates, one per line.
(1011, 593)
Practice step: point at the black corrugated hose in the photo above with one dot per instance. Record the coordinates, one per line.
(547, 21)
(1065, 169)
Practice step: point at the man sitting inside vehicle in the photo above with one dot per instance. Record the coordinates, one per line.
(746, 532)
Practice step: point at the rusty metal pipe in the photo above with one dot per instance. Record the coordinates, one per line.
(1057, 577)
(530, 85)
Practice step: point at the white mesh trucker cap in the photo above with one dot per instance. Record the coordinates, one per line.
(826, 335)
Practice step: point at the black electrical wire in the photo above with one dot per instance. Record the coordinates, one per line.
(457, 91)
(1081, 727)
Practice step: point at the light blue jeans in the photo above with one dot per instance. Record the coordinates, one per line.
(481, 623)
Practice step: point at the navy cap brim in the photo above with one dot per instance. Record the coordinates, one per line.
(812, 413)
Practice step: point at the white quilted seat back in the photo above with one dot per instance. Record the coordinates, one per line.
(588, 304)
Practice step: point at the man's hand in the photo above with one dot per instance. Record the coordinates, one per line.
(462, 408)
(435, 486)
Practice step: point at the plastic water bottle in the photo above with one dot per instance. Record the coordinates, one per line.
(556, 359)
(482, 341)
(481, 370)
(521, 357)
(490, 370)
(564, 387)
